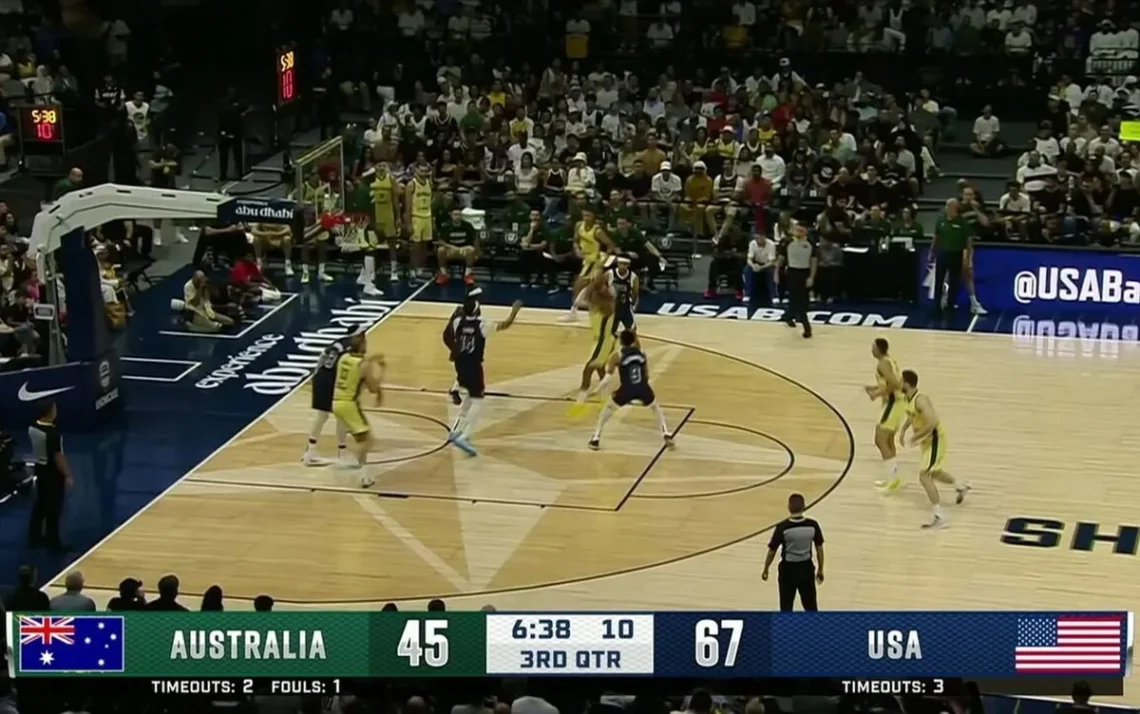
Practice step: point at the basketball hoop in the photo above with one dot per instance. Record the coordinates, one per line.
(355, 234)
(331, 220)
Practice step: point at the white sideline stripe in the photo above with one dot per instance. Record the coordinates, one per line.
(75, 563)
(190, 367)
(155, 360)
(288, 298)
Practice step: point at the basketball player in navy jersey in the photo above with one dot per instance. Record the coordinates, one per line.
(470, 332)
(633, 387)
(449, 342)
(626, 288)
(324, 380)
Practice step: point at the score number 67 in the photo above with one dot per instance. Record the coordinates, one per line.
(707, 640)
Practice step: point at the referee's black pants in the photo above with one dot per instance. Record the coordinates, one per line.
(797, 578)
(796, 280)
(947, 269)
(43, 528)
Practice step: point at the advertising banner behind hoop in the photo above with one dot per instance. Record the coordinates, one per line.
(257, 210)
(1011, 278)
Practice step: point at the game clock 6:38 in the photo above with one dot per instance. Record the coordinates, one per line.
(42, 124)
(286, 72)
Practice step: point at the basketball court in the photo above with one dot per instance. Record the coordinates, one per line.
(540, 522)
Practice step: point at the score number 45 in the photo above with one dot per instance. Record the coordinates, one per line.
(707, 637)
(424, 641)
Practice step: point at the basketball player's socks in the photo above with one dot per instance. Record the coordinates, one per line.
(318, 426)
(461, 417)
(472, 418)
(577, 299)
(288, 265)
(583, 395)
(341, 440)
(657, 410)
(394, 267)
(322, 273)
(607, 411)
(367, 270)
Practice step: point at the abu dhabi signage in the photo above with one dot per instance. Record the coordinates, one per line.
(1016, 278)
(257, 210)
(275, 364)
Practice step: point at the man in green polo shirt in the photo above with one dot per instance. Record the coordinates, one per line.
(950, 251)
(563, 259)
(633, 244)
(72, 182)
(514, 219)
(616, 207)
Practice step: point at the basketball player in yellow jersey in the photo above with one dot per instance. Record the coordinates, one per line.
(599, 296)
(931, 436)
(417, 217)
(888, 390)
(354, 370)
(386, 206)
(592, 246)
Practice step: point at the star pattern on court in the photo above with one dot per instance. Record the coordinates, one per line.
(533, 461)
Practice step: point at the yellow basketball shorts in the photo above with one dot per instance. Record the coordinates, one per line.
(421, 229)
(933, 453)
(601, 327)
(352, 416)
(893, 414)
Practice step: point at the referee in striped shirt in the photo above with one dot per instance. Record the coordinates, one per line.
(799, 261)
(53, 477)
(798, 574)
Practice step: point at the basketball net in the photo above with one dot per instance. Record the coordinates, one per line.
(353, 235)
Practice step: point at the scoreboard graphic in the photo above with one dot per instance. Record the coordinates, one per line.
(901, 652)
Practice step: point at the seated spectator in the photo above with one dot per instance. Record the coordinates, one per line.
(756, 194)
(73, 599)
(534, 246)
(527, 178)
(18, 335)
(1032, 177)
(987, 141)
(665, 193)
(27, 596)
(631, 243)
(212, 600)
(249, 283)
(907, 226)
(1014, 210)
(760, 269)
(167, 600)
(730, 251)
(115, 301)
(458, 241)
(198, 314)
(272, 236)
(698, 194)
(728, 187)
(829, 275)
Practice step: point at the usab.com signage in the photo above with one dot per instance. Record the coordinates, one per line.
(257, 210)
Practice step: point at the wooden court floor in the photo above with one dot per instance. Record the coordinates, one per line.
(538, 521)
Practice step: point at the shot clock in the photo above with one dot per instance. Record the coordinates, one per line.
(286, 74)
(44, 137)
(41, 124)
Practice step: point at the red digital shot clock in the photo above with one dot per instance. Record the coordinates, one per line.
(286, 76)
(43, 124)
